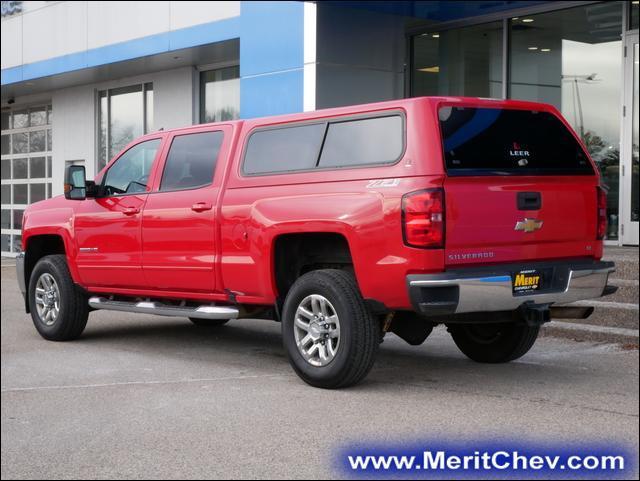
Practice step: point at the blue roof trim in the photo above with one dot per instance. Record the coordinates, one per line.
(11, 75)
(204, 34)
(65, 63)
(140, 47)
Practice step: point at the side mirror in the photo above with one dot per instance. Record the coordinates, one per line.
(75, 182)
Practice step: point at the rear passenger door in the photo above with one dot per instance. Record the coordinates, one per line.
(179, 219)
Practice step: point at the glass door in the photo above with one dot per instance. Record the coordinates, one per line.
(630, 167)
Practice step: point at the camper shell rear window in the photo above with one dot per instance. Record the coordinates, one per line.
(495, 141)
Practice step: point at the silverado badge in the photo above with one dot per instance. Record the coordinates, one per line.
(528, 225)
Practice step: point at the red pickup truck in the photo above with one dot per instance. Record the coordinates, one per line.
(344, 224)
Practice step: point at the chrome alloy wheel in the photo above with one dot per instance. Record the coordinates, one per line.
(47, 299)
(317, 330)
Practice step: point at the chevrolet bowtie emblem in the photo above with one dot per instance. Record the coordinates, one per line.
(528, 225)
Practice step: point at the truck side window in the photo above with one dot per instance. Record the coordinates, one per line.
(283, 149)
(333, 144)
(191, 161)
(359, 142)
(130, 173)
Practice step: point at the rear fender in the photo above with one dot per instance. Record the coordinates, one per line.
(349, 215)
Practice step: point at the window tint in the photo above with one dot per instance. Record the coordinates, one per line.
(191, 161)
(284, 149)
(366, 141)
(508, 142)
(130, 173)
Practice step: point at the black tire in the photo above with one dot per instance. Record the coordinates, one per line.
(73, 305)
(494, 343)
(359, 330)
(208, 322)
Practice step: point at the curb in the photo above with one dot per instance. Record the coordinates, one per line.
(627, 306)
(627, 338)
(616, 331)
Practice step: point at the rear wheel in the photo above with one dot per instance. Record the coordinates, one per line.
(494, 343)
(208, 322)
(58, 309)
(330, 337)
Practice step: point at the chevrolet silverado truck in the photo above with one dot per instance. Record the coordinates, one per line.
(344, 224)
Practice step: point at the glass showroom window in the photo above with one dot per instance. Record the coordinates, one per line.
(26, 167)
(124, 114)
(465, 61)
(572, 59)
(220, 94)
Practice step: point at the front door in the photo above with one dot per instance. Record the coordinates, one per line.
(108, 228)
(179, 219)
(630, 167)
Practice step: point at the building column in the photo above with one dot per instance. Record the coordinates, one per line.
(277, 58)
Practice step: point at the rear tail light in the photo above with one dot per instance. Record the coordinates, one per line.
(423, 218)
(602, 213)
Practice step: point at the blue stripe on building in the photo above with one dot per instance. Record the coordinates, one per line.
(271, 55)
(131, 49)
(271, 58)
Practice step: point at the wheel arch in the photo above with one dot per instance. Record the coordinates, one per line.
(38, 246)
(294, 254)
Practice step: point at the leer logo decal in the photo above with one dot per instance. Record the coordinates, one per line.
(518, 151)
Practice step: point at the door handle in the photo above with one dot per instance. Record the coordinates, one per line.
(131, 211)
(201, 206)
(529, 201)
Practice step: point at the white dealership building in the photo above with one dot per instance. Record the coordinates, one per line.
(80, 79)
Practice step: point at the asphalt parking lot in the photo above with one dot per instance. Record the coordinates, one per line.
(151, 397)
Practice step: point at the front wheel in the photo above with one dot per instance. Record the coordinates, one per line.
(494, 342)
(330, 336)
(58, 309)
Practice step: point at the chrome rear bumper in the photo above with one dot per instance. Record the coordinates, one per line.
(490, 289)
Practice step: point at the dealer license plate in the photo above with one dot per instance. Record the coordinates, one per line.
(527, 281)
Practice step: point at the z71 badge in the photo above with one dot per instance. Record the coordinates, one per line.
(380, 183)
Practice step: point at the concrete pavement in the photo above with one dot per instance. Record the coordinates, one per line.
(140, 396)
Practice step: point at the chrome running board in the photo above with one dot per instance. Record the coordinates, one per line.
(160, 309)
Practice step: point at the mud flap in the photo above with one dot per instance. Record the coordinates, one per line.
(411, 327)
